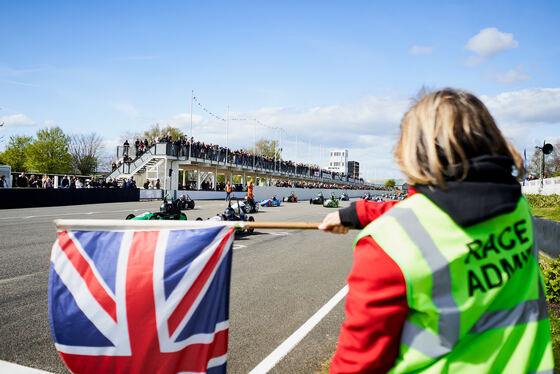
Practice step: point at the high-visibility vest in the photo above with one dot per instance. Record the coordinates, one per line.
(475, 294)
(228, 188)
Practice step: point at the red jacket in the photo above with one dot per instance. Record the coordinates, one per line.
(376, 304)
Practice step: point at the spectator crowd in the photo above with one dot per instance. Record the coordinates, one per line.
(180, 147)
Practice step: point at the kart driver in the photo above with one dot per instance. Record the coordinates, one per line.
(180, 203)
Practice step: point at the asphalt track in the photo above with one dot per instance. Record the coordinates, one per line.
(279, 280)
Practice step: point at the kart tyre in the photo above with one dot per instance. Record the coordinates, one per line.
(130, 216)
(251, 219)
(191, 204)
(199, 218)
(310, 201)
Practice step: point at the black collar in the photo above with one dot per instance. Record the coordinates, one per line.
(488, 190)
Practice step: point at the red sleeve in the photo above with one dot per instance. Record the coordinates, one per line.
(376, 308)
(368, 211)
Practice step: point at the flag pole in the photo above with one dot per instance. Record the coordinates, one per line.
(123, 225)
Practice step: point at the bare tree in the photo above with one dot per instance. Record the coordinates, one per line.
(551, 163)
(85, 150)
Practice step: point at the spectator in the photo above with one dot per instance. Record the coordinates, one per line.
(22, 180)
(158, 185)
(146, 184)
(79, 183)
(125, 147)
(65, 183)
(33, 181)
(3, 182)
(46, 182)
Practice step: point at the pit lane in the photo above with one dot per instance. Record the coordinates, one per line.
(279, 279)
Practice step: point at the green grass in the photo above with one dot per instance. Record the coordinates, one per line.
(551, 214)
(555, 331)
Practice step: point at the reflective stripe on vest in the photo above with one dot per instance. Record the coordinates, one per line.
(438, 341)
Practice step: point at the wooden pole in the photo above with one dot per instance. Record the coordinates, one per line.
(280, 225)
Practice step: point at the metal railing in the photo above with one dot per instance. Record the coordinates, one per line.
(218, 158)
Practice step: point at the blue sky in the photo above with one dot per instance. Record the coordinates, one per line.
(334, 74)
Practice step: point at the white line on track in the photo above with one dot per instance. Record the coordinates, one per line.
(283, 349)
(73, 214)
(9, 367)
(19, 277)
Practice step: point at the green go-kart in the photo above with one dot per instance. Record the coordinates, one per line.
(331, 203)
(167, 211)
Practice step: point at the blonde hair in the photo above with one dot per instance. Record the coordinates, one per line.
(442, 132)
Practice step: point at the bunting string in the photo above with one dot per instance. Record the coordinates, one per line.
(212, 114)
(207, 111)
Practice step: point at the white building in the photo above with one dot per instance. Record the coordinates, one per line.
(338, 161)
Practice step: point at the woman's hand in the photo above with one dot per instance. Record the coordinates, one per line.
(331, 223)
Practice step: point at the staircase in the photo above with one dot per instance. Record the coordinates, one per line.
(138, 166)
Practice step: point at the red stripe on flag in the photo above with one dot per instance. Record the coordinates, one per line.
(86, 272)
(140, 302)
(191, 295)
(193, 358)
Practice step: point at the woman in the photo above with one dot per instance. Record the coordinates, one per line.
(447, 279)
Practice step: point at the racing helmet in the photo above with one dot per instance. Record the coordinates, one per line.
(229, 212)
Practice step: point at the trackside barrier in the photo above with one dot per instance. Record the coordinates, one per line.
(11, 198)
(547, 234)
(267, 192)
(550, 186)
(151, 194)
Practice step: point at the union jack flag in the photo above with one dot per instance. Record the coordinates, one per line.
(141, 301)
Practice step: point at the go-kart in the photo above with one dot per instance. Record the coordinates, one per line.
(249, 205)
(271, 202)
(331, 203)
(188, 203)
(344, 197)
(367, 196)
(319, 199)
(167, 210)
(231, 214)
(290, 199)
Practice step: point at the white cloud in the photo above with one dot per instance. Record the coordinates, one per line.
(487, 43)
(527, 117)
(531, 106)
(512, 76)
(367, 128)
(17, 120)
(421, 50)
(126, 109)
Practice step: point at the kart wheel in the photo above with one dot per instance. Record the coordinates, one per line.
(199, 218)
(251, 219)
(191, 204)
(130, 216)
(310, 201)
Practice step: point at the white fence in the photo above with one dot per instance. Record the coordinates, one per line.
(550, 186)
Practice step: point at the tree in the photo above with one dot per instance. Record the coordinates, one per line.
(268, 148)
(15, 154)
(551, 163)
(85, 150)
(390, 183)
(157, 132)
(48, 153)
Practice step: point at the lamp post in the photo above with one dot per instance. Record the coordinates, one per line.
(546, 149)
